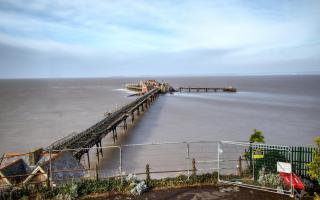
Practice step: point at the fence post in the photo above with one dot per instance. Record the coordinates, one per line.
(252, 158)
(291, 178)
(188, 157)
(218, 161)
(148, 174)
(50, 168)
(194, 169)
(97, 172)
(120, 168)
(239, 166)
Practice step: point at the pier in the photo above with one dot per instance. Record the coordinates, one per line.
(93, 135)
(207, 89)
(134, 87)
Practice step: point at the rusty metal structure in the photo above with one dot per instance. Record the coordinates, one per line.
(82, 142)
(93, 135)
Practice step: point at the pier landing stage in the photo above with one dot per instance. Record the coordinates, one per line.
(207, 89)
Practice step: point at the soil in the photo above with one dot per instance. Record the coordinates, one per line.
(195, 193)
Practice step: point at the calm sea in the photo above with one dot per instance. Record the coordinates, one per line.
(34, 113)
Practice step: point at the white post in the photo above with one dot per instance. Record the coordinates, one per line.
(218, 161)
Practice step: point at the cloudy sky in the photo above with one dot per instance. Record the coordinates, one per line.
(101, 38)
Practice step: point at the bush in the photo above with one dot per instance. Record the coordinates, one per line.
(131, 184)
(182, 180)
(314, 166)
(257, 136)
(269, 179)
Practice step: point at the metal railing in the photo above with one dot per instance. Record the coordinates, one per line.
(103, 125)
(165, 160)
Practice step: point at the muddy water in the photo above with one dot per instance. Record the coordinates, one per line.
(34, 113)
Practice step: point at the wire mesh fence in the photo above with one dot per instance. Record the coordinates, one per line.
(249, 165)
(255, 165)
(55, 167)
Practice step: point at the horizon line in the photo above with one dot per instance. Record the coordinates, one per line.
(180, 75)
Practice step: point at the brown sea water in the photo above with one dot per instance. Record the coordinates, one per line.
(34, 113)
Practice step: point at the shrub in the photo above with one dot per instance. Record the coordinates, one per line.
(257, 136)
(314, 166)
(269, 179)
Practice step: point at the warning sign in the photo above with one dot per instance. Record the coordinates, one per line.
(284, 167)
(258, 153)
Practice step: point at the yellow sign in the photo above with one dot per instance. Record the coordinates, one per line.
(258, 153)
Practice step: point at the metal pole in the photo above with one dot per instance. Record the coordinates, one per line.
(188, 152)
(218, 161)
(120, 168)
(291, 178)
(50, 169)
(188, 157)
(252, 159)
(88, 159)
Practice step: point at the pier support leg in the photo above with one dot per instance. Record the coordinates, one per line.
(239, 166)
(142, 107)
(97, 151)
(132, 117)
(125, 126)
(138, 112)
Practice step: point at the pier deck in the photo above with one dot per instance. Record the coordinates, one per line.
(207, 89)
(93, 135)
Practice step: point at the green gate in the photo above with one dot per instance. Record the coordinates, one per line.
(297, 156)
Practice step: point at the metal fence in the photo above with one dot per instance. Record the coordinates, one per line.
(253, 165)
(300, 157)
(235, 163)
(165, 160)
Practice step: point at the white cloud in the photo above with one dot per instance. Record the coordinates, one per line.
(129, 31)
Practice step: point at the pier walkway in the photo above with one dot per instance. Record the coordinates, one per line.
(93, 135)
(206, 89)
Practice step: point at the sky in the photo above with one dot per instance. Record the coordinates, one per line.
(106, 38)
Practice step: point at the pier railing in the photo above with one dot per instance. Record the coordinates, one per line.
(207, 89)
(93, 134)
